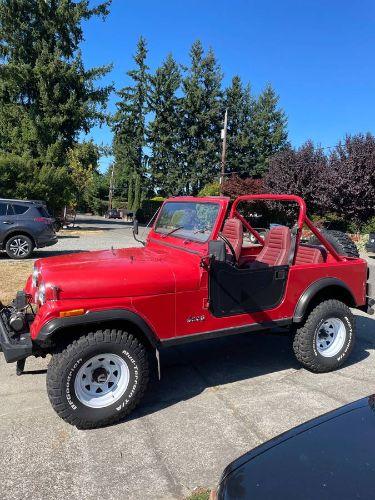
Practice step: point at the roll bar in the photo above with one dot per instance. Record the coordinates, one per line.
(302, 218)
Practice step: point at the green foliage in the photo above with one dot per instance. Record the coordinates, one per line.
(212, 189)
(240, 140)
(164, 139)
(129, 128)
(202, 117)
(46, 96)
(147, 210)
(369, 226)
(23, 178)
(269, 132)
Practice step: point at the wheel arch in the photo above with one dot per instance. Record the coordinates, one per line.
(72, 327)
(14, 232)
(323, 289)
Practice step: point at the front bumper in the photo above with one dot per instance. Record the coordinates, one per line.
(14, 348)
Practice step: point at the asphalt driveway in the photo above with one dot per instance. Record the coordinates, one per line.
(217, 399)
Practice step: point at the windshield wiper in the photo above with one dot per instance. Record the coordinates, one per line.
(172, 231)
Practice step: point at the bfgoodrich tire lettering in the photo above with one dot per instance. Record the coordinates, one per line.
(305, 339)
(65, 366)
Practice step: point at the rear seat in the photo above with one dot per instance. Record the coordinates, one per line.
(310, 254)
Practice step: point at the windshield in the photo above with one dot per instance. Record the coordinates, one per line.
(189, 220)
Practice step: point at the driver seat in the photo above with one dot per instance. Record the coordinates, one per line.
(233, 232)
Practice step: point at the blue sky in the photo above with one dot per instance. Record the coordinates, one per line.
(318, 55)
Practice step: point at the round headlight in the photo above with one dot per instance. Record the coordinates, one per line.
(35, 277)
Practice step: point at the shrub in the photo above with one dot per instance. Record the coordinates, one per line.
(212, 189)
(369, 226)
(147, 210)
(236, 186)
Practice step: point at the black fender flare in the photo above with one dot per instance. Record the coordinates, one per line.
(311, 292)
(92, 317)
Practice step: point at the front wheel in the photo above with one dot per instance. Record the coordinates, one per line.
(326, 338)
(98, 379)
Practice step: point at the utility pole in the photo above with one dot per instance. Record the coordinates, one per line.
(111, 188)
(223, 151)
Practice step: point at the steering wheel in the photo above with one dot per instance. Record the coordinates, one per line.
(230, 246)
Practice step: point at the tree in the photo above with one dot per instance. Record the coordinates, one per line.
(268, 130)
(240, 147)
(351, 180)
(83, 162)
(301, 171)
(23, 178)
(47, 97)
(163, 131)
(129, 127)
(202, 119)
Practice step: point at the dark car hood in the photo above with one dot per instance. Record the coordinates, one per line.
(330, 457)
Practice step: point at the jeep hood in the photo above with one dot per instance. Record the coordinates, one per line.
(128, 272)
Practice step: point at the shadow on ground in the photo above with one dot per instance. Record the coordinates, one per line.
(52, 253)
(189, 370)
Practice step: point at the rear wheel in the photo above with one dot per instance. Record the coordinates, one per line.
(98, 379)
(326, 338)
(19, 246)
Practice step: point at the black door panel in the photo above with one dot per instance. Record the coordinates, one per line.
(238, 291)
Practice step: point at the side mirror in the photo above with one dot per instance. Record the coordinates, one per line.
(216, 250)
(135, 232)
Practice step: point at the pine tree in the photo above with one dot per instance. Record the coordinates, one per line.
(240, 146)
(129, 124)
(268, 129)
(202, 119)
(163, 132)
(47, 97)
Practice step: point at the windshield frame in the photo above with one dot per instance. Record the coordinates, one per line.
(190, 237)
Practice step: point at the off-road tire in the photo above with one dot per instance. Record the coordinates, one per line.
(304, 343)
(65, 365)
(24, 241)
(341, 242)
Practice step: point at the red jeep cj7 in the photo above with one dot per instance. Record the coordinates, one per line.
(100, 314)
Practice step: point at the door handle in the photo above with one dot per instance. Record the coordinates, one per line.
(8, 222)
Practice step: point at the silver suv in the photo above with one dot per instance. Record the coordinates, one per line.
(24, 225)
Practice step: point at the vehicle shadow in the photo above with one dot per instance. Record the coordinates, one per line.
(193, 368)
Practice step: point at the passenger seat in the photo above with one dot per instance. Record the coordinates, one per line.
(277, 247)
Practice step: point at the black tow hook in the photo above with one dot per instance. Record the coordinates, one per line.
(20, 366)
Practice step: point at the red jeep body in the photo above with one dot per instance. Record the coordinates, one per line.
(165, 285)
(99, 312)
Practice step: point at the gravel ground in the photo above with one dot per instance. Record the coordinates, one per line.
(217, 399)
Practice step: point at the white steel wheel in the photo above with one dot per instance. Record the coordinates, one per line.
(330, 337)
(102, 380)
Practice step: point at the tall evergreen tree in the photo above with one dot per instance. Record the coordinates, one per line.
(164, 130)
(268, 129)
(47, 97)
(202, 119)
(129, 126)
(240, 145)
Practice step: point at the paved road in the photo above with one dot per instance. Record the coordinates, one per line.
(217, 399)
